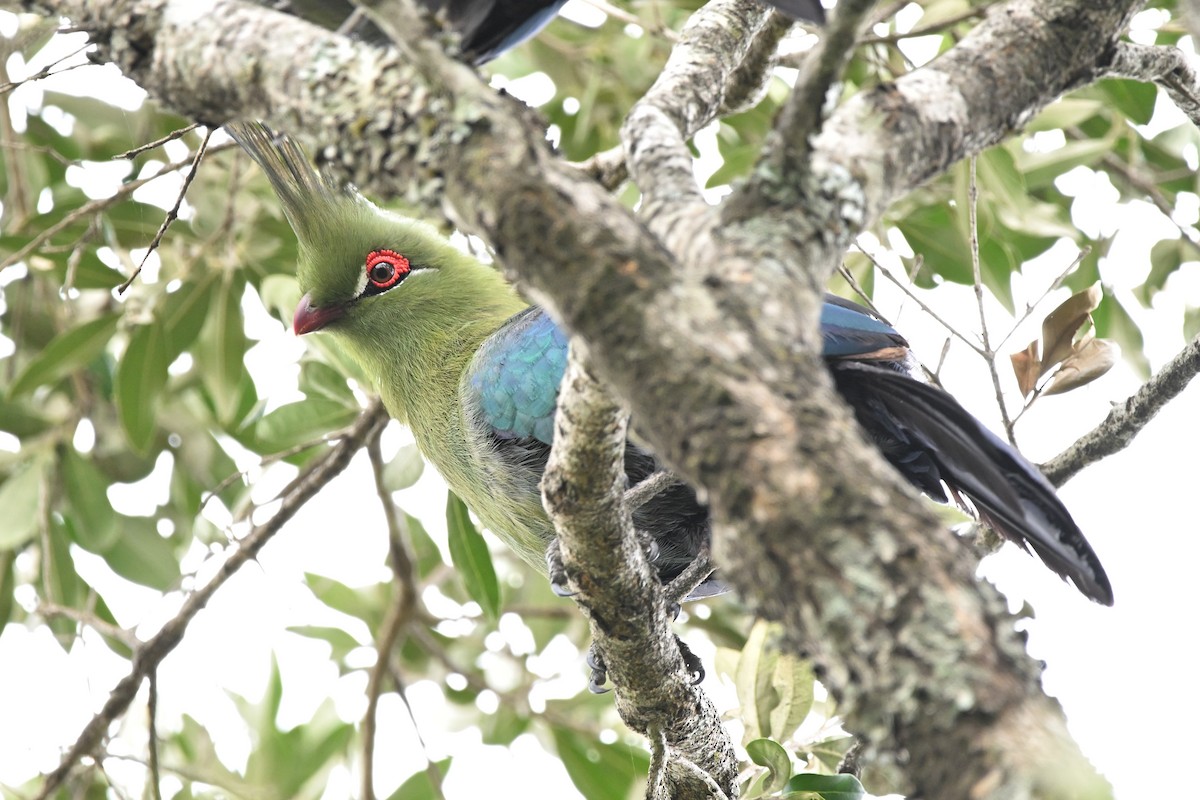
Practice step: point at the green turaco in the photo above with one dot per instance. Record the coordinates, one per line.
(474, 371)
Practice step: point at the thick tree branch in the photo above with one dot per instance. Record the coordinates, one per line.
(584, 489)
(685, 97)
(1166, 66)
(748, 84)
(1128, 418)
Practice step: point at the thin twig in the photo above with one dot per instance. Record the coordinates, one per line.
(649, 488)
(49, 610)
(150, 654)
(924, 307)
(398, 617)
(431, 770)
(266, 461)
(1057, 282)
(173, 214)
(622, 15)
(937, 27)
(696, 573)
(97, 207)
(152, 734)
(170, 137)
(989, 355)
(45, 72)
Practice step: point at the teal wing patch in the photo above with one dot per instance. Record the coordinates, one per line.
(515, 376)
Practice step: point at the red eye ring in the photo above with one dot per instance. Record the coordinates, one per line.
(386, 268)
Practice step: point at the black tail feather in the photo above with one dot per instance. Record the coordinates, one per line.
(930, 438)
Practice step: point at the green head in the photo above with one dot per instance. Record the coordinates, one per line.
(393, 289)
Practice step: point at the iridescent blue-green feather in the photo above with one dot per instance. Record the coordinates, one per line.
(515, 376)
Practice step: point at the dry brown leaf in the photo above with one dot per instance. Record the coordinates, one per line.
(1091, 358)
(1027, 368)
(1061, 325)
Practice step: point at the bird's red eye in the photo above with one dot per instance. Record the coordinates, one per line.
(386, 268)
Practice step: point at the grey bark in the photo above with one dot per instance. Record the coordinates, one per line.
(708, 329)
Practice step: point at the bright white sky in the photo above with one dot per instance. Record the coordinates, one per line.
(1126, 675)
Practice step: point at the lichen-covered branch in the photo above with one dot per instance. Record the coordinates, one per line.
(583, 489)
(1166, 66)
(1128, 418)
(687, 95)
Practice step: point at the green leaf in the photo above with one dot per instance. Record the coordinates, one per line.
(600, 771)
(366, 604)
(831, 752)
(340, 641)
(306, 421)
(425, 551)
(774, 687)
(811, 786)
(1191, 323)
(934, 234)
(1134, 99)
(502, 726)
(20, 497)
(420, 785)
(141, 555)
(404, 469)
(318, 378)
(1166, 257)
(1041, 169)
(471, 558)
(223, 346)
(183, 314)
(19, 420)
(86, 496)
(770, 754)
(141, 376)
(63, 585)
(1066, 113)
(66, 352)
(7, 581)
(1113, 322)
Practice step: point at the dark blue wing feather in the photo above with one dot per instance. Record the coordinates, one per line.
(934, 442)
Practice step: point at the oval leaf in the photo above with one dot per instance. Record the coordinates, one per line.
(1061, 325)
(141, 555)
(600, 771)
(471, 558)
(306, 421)
(20, 496)
(811, 786)
(775, 688)
(141, 376)
(1091, 359)
(770, 754)
(1026, 367)
(64, 353)
(404, 469)
(183, 315)
(85, 485)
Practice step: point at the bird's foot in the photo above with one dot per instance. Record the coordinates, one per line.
(695, 666)
(599, 676)
(560, 584)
